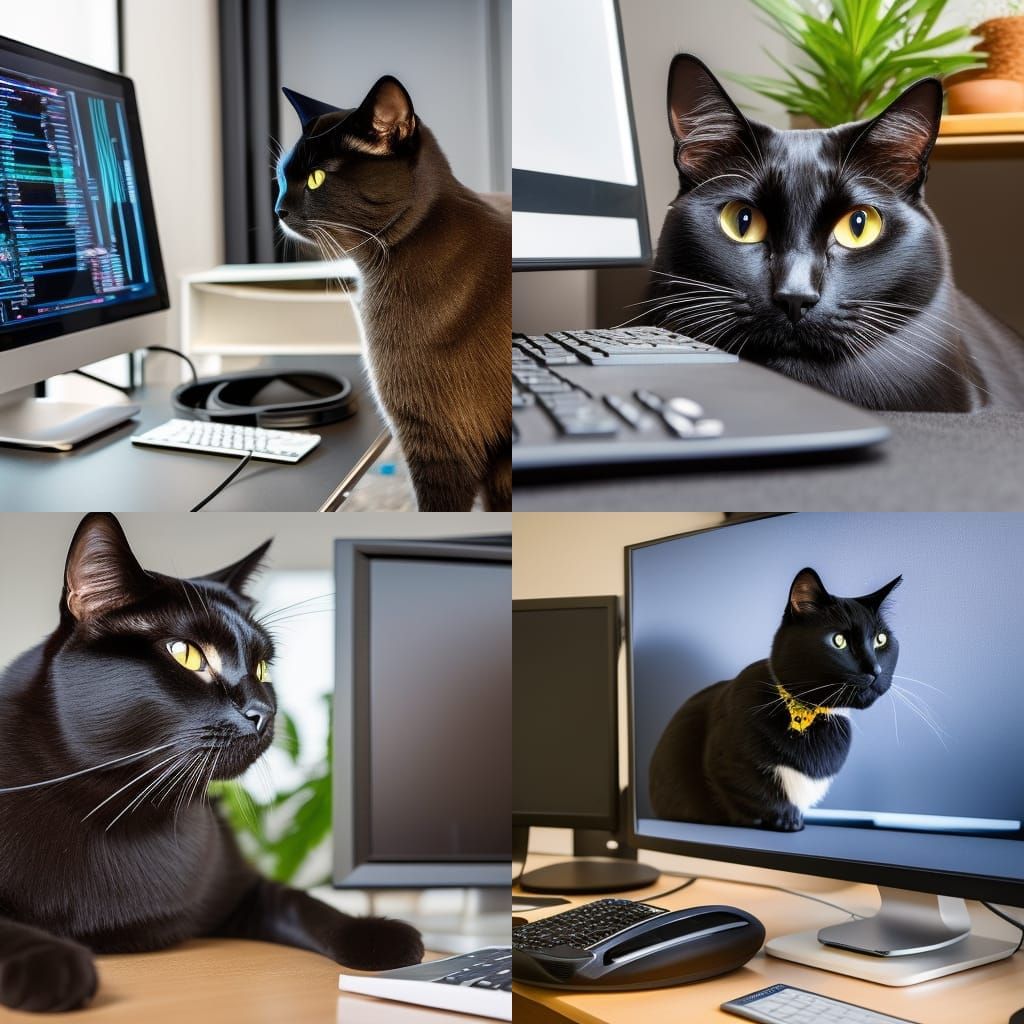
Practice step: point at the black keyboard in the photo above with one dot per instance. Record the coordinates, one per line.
(584, 926)
(491, 969)
(644, 394)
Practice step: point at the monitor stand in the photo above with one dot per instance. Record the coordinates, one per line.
(46, 424)
(590, 874)
(914, 937)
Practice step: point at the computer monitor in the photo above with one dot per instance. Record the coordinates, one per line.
(78, 241)
(577, 188)
(422, 704)
(927, 800)
(565, 742)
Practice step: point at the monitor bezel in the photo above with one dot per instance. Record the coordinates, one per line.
(646, 249)
(13, 339)
(610, 822)
(354, 865)
(928, 880)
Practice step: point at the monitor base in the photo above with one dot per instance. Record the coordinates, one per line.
(914, 937)
(45, 424)
(590, 875)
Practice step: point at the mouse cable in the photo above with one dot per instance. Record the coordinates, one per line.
(220, 487)
(669, 892)
(99, 380)
(179, 354)
(1009, 920)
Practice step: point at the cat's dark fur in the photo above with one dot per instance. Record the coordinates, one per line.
(716, 760)
(103, 686)
(882, 326)
(437, 306)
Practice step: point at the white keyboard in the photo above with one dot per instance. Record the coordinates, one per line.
(479, 982)
(783, 1004)
(229, 439)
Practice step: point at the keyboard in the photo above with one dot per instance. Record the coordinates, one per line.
(583, 927)
(478, 982)
(632, 395)
(229, 439)
(783, 1004)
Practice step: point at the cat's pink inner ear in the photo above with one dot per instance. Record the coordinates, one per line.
(392, 112)
(101, 572)
(807, 592)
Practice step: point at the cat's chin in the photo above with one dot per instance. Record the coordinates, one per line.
(237, 756)
(862, 699)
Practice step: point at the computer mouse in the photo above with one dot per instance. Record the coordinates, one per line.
(1018, 1017)
(672, 948)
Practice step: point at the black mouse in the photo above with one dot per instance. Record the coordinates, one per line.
(671, 948)
(1018, 1017)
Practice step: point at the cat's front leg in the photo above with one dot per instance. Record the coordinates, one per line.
(277, 913)
(442, 485)
(784, 819)
(40, 972)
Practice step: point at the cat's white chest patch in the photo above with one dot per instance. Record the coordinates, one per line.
(801, 790)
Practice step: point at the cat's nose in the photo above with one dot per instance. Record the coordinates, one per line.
(795, 302)
(259, 714)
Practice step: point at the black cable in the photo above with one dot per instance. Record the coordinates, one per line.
(100, 380)
(1008, 920)
(220, 487)
(180, 355)
(669, 892)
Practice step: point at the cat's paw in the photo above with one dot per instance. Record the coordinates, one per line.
(48, 977)
(377, 944)
(787, 821)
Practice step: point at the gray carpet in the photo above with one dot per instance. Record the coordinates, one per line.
(933, 461)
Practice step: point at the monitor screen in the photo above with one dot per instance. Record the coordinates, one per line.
(925, 687)
(439, 704)
(77, 238)
(577, 192)
(564, 671)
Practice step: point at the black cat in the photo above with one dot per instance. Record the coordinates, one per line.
(813, 252)
(111, 728)
(758, 750)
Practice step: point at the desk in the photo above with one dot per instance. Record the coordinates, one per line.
(111, 473)
(226, 981)
(985, 995)
(939, 461)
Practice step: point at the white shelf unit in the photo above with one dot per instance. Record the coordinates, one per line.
(244, 310)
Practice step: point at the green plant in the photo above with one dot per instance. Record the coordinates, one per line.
(281, 832)
(861, 54)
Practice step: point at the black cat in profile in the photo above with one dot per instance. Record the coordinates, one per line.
(112, 727)
(814, 253)
(758, 750)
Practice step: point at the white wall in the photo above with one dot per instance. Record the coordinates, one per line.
(33, 548)
(84, 30)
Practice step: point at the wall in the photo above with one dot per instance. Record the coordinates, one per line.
(33, 549)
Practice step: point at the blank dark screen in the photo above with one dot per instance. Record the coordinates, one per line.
(440, 702)
(563, 713)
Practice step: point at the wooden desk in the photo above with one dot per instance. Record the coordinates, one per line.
(985, 995)
(980, 137)
(224, 981)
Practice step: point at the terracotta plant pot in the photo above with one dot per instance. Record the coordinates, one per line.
(985, 96)
(1003, 40)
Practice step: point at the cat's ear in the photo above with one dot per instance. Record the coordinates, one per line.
(308, 109)
(874, 601)
(807, 593)
(385, 121)
(706, 125)
(237, 575)
(101, 573)
(895, 146)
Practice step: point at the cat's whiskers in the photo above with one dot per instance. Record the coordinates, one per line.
(664, 305)
(370, 236)
(153, 785)
(85, 771)
(268, 616)
(717, 177)
(323, 241)
(703, 284)
(129, 784)
(897, 675)
(902, 695)
(915, 311)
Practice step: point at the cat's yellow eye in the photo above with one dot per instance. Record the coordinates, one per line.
(187, 655)
(858, 228)
(838, 640)
(316, 178)
(881, 640)
(743, 222)
(263, 672)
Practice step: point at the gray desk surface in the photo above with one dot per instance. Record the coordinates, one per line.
(111, 473)
(933, 461)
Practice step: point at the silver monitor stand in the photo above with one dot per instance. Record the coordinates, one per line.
(48, 424)
(914, 937)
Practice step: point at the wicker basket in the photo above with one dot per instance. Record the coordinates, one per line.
(1003, 40)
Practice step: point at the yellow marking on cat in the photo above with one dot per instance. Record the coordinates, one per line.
(801, 716)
